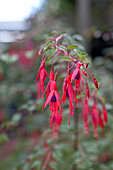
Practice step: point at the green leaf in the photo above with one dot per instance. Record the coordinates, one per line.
(54, 60)
(53, 165)
(65, 58)
(84, 54)
(77, 53)
(57, 155)
(52, 52)
(49, 38)
(47, 52)
(62, 48)
(82, 58)
(72, 47)
(48, 46)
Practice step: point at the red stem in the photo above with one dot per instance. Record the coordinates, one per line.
(58, 70)
(89, 71)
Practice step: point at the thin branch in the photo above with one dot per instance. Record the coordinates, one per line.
(58, 70)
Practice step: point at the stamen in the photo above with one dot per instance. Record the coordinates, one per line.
(67, 94)
(77, 76)
(53, 99)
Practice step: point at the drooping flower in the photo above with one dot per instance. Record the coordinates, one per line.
(69, 92)
(94, 79)
(85, 114)
(76, 75)
(49, 84)
(100, 121)
(42, 74)
(53, 100)
(94, 115)
(104, 113)
(56, 121)
(87, 90)
(95, 112)
(95, 82)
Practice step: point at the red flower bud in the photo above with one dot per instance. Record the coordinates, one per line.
(87, 91)
(101, 121)
(95, 82)
(105, 113)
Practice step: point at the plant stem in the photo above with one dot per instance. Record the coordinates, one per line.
(58, 70)
(76, 134)
(76, 129)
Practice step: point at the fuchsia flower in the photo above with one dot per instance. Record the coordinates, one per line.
(104, 113)
(94, 79)
(42, 73)
(95, 82)
(87, 90)
(98, 119)
(76, 75)
(57, 122)
(49, 84)
(53, 100)
(85, 114)
(69, 92)
(95, 115)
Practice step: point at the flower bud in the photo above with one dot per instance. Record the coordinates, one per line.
(105, 113)
(87, 91)
(95, 82)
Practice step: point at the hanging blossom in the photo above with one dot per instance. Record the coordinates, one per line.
(54, 102)
(54, 50)
(68, 92)
(85, 113)
(57, 120)
(95, 113)
(42, 74)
